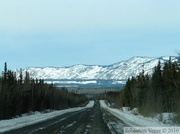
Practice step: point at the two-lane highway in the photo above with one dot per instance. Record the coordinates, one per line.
(87, 121)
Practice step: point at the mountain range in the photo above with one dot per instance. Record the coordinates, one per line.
(109, 75)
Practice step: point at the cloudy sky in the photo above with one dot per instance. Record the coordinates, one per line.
(67, 32)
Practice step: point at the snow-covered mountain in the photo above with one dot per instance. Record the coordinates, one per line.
(91, 73)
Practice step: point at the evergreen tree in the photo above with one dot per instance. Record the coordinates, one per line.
(5, 71)
(157, 88)
(20, 77)
(142, 83)
(128, 93)
(169, 86)
(22, 95)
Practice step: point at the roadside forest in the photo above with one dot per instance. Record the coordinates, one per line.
(152, 94)
(22, 94)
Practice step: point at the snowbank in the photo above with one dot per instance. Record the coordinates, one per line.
(131, 119)
(90, 104)
(26, 120)
(166, 118)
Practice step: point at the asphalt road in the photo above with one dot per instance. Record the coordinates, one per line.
(88, 121)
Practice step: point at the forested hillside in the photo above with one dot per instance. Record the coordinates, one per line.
(21, 95)
(156, 93)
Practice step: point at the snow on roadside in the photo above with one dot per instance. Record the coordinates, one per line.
(131, 119)
(6, 125)
(90, 104)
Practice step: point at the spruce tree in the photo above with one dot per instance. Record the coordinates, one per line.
(157, 87)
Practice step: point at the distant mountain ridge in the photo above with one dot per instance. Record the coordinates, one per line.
(120, 71)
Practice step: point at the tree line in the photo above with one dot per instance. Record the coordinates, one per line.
(156, 93)
(22, 94)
